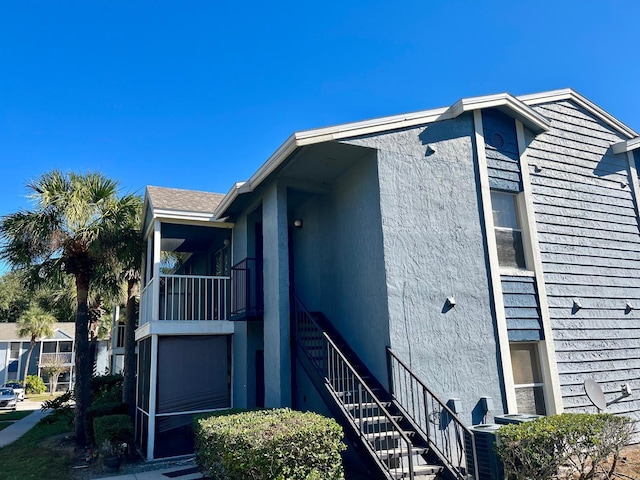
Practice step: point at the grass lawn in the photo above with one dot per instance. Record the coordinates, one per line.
(26, 458)
(42, 397)
(7, 418)
(14, 415)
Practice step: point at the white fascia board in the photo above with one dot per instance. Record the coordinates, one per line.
(367, 127)
(570, 94)
(326, 134)
(238, 189)
(519, 110)
(62, 332)
(145, 205)
(273, 162)
(198, 223)
(627, 146)
(183, 215)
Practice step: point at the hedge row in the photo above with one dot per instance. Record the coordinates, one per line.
(277, 444)
(113, 430)
(571, 446)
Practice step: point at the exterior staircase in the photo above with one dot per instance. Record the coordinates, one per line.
(386, 438)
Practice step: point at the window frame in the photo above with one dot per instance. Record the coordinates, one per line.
(534, 385)
(523, 230)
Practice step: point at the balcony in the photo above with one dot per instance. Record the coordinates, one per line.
(185, 298)
(247, 297)
(56, 358)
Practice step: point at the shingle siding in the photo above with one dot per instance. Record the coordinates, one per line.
(590, 249)
(501, 146)
(522, 308)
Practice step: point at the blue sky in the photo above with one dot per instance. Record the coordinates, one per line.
(197, 94)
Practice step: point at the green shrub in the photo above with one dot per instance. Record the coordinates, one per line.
(269, 444)
(62, 407)
(113, 431)
(573, 446)
(106, 389)
(100, 410)
(35, 385)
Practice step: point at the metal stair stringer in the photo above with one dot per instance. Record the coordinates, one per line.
(358, 402)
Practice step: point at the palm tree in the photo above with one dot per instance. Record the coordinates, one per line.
(130, 260)
(74, 229)
(34, 323)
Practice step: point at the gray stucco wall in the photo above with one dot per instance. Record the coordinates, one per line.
(434, 248)
(248, 336)
(590, 247)
(239, 346)
(339, 263)
(277, 353)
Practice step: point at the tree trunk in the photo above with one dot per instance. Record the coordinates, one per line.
(83, 362)
(129, 386)
(26, 365)
(53, 383)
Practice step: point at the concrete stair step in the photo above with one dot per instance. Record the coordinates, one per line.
(390, 434)
(420, 472)
(401, 452)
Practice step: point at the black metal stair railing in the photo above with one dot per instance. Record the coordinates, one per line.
(447, 436)
(366, 413)
(246, 289)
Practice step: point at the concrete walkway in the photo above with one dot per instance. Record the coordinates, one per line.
(185, 471)
(22, 426)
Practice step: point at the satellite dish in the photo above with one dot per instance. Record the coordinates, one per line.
(594, 392)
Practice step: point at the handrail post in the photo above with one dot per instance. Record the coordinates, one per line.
(350, 381)
(390, 370)
(440, 439)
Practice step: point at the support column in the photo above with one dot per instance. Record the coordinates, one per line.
(157, 250)
(239, 345)
(277, 350)
(153, 377)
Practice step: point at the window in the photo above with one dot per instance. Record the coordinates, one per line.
(508, 230)
(527, 378)
(14, 353)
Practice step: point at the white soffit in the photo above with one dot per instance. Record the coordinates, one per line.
(628, 146)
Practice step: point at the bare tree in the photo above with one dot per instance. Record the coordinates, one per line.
(53, 365)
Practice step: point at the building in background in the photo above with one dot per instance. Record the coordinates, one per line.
(59, 348)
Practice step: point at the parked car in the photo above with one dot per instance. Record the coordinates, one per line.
(7, 399)
(17, 389)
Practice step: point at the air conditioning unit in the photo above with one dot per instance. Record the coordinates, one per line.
(515, 418)
(489, 464)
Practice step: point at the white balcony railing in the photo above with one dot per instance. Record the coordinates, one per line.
(186, 297)
(56, 358)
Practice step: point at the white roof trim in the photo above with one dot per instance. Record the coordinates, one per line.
(237, 189)
(627, 146)
(570, 94)
(59, 330)
(183, 215)
(532, 119)
(517, 107)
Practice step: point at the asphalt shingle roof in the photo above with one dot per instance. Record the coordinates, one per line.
(9, 331)
(183, 200)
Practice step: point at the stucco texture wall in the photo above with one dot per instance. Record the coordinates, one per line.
(339, 264)
(433, 243)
